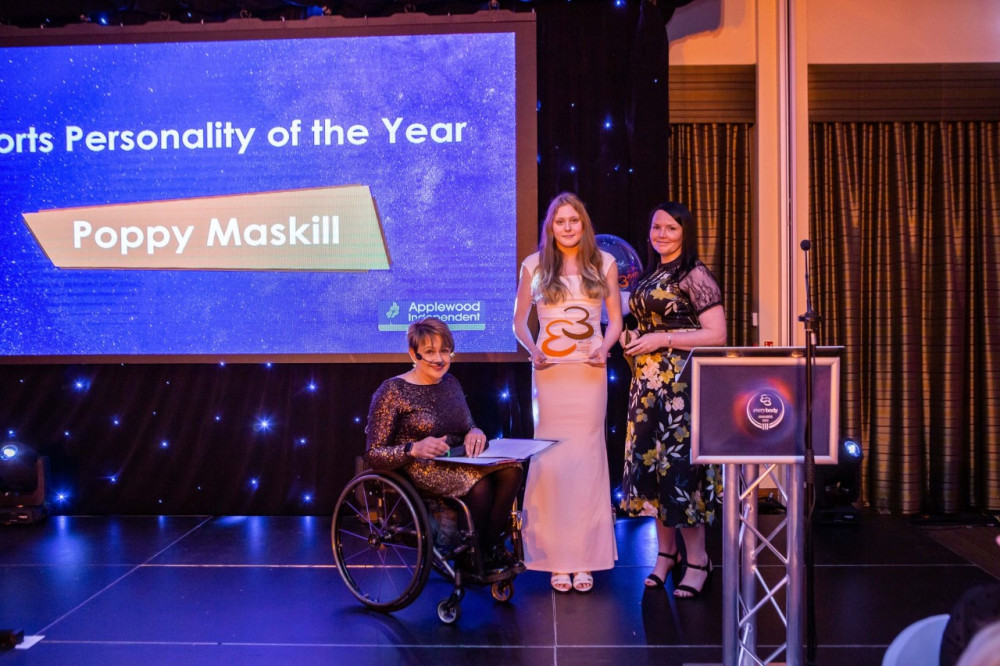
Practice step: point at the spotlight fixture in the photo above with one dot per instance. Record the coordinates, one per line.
(838, 486)
(22, 484)
(10, 638)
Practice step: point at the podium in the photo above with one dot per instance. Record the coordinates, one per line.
(749, 414)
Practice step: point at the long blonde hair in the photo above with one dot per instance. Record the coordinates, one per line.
(546, 283)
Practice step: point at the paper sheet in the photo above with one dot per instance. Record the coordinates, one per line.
(504, 449)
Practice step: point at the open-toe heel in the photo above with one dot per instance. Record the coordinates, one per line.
(692, 592)
(561, 582)
(652, 580)
(583, 581)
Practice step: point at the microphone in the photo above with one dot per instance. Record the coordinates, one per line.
(436, 364)
(809, 317)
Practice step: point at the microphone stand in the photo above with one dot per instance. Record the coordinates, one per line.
(810, 320)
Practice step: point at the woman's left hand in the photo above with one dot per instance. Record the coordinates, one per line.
(475, 442)
(599, 358)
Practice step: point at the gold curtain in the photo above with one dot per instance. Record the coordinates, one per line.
(710, 173)
(905, 222)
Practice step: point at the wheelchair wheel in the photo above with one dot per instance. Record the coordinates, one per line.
(502, 590)
(382, 541)
(449, 612)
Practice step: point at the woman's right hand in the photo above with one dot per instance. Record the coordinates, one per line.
(627, 337)
(429, 447)
(539, 360)
(646, 343)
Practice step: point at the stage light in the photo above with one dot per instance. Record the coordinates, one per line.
(838, 486)
(17, 469)
(22, 484)
(10, 638)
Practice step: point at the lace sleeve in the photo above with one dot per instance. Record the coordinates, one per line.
(702, 288)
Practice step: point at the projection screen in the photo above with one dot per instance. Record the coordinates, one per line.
(256, 190)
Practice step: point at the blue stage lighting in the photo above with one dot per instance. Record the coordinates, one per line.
(838, 486)
(851, 448)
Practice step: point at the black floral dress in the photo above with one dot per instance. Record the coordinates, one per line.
(659, 479)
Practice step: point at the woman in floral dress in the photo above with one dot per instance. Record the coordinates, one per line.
(678, 305)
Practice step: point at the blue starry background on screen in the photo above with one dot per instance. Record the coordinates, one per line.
(448, 209)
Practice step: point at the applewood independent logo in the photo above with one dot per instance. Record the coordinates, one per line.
(765, 410)
(317, 229)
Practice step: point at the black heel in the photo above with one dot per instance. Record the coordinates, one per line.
(707, 568)
(652, 580)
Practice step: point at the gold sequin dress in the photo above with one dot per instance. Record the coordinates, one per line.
(402, 412)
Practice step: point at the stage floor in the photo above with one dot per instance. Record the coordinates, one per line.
(264, 590)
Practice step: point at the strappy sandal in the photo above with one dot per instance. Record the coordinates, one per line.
(652, 580)
(561, 582)
(583, 581)
(707, 568)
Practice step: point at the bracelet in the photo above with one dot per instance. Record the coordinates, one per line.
(408, 448)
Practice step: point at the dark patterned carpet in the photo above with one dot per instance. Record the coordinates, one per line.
(975, 543)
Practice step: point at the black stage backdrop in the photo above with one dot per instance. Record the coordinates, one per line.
(283, 438)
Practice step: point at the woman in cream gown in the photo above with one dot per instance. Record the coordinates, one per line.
(568, 519)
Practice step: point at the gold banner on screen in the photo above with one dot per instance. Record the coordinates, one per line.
(318, 229)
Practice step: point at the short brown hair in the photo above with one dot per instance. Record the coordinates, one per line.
(425, 329)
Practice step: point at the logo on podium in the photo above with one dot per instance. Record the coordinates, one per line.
(765, 410)
(748, 404)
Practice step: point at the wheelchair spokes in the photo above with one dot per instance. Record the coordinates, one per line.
(387, 539)
(380, 542)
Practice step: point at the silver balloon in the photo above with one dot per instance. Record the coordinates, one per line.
(629, 267)
(629, 263)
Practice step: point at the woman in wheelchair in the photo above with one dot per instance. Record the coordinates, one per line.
(413, 419)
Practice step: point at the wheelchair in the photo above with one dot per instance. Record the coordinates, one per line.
(387, 537)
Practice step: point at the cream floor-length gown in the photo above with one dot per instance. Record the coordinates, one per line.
(568, 516)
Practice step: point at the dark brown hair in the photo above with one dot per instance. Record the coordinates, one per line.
(689, 239)
(428, 328)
